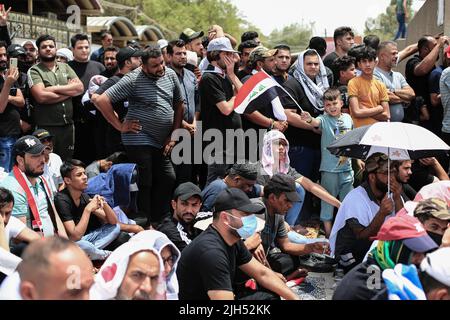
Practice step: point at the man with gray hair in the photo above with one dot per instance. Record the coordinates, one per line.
(399, 92)
(240, 176)
(155, 111)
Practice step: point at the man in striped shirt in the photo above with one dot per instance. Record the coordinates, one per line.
(155, 110)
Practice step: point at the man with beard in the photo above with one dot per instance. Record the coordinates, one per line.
(31, 54)
(52, 86)
(108, 140)
(110, 62)
(177, 55)
(363, 212)
(155, 111)
(33, 199)
(403, 173)
(11, 99)
(282, 63)
(84, 120)
(186, 204)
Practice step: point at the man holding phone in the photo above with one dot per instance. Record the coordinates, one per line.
(11, 98)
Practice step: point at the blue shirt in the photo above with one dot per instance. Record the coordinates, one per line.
(333, 128)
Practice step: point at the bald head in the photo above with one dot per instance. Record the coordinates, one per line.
(55, 269)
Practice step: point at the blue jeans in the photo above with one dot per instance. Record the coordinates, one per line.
(6, 148)
(306, 161)
(293, 214)
(401, 33)
(93, 243)
(338, 185)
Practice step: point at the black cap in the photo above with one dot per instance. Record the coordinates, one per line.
(187, 190)
(285, 183)
(247, 171)
(236, 199)
(28, 144)
(42, 134)
(127, 53)
(133, 44)
(15, 50)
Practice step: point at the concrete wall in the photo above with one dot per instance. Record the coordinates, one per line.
(425, 22)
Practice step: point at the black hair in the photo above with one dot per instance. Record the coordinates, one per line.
(205, 42)
(3, 44)
(213, 56)
(78, 37)
(68, 166)
(6, 197)
(429, 283)
(310, 52)
(343, 63)
(372, 41)
(118, 157)
(111, 49)
(104, 34)
(44, 37)
(246, 45)
(332, 94)
(366, 54)
(249, 35)
(271, 188)
(341, 32)
(152, 51)
(175, 43)
(423, 42)
(319, 44)
(282, 47)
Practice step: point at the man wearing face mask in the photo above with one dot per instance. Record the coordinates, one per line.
(155, 111)
(434, 214)
(208, 266)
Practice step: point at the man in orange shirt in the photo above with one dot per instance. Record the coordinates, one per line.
(368, 97)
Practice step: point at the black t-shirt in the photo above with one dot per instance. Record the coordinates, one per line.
(10, 118)
(68, 210)
(213, 89)
(419, 84)
(421, 176)
(119, 107)
(208, 263)
(177, 232)
(297, 136)
(329, 59)
(354, 286)
(85, 71)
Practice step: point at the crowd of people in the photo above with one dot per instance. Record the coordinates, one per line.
(95, 204)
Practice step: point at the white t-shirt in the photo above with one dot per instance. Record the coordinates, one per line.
(13, 228)
(52, 172)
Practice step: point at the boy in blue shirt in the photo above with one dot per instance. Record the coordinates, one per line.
(336, 173)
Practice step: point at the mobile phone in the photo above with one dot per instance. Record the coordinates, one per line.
(13, 92)
(13, 63)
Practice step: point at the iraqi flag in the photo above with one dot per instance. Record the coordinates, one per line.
(260, 90)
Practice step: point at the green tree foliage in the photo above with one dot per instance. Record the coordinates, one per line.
(295, 35)
(385, 25)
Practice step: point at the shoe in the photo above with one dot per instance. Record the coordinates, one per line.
(317, 264)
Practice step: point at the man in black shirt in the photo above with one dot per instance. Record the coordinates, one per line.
(208, 266)
(344, 39)
(10, 98)
(179, 227)
(83, 119)
(217, 90)
(110, 62)
(90, 222)
(108, 140)
(418, 70)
